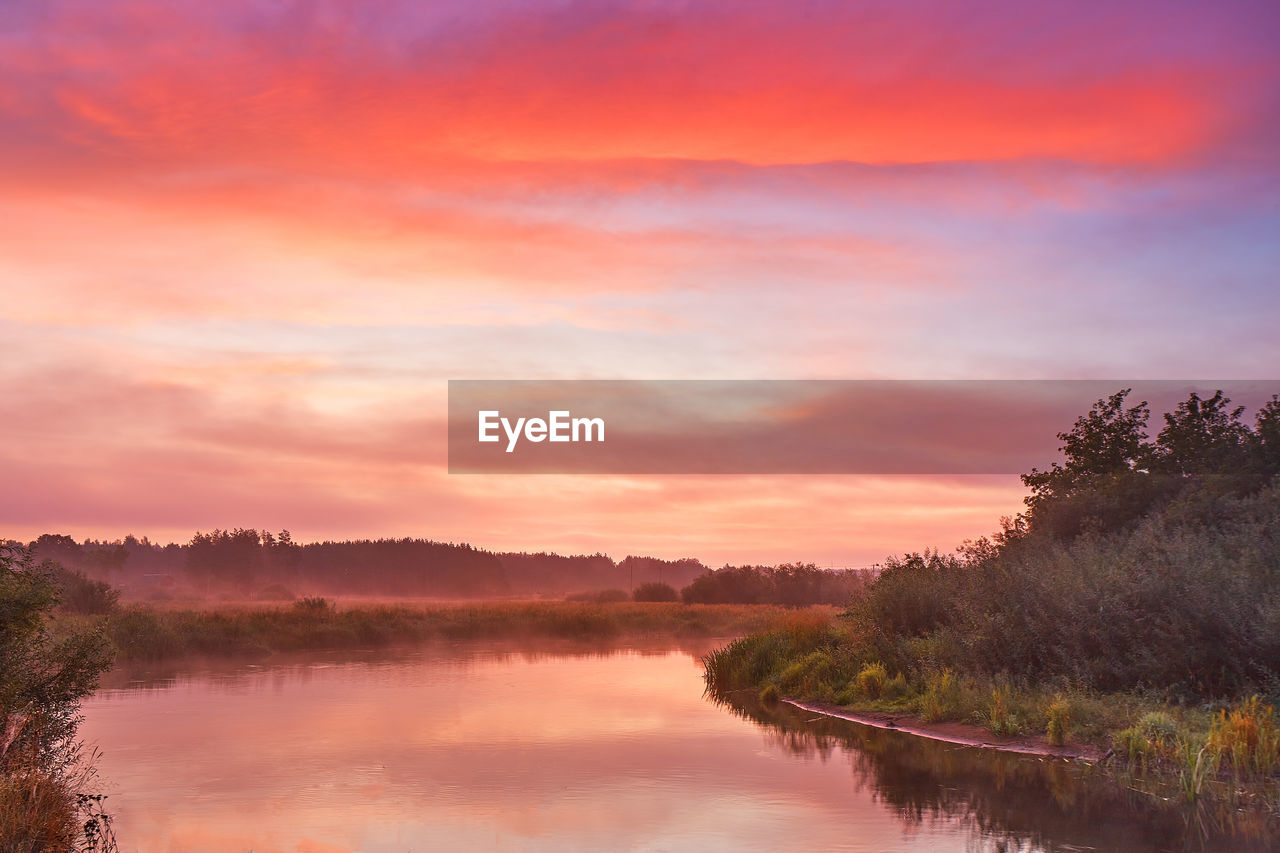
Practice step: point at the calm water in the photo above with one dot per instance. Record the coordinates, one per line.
(490, 748)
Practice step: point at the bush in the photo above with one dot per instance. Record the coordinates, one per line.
(999, 716)
(941, 699)
(790, 584)
(655, 591)
(896, 687)
(37, 812)
(1059, 727)
(1248, 735)
(1158, 727)
(314, 604)
(871, 679)
(914, 595)
(1155, 735)
(80, 594)
(42, 680)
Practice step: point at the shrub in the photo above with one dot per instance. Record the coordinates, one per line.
(80, 594)
(791, 584)
(655, 591)
(872, 678)
(941, 700)
(998, 716)
(37, 812)
(1248, 736)
(1132, 744)
(1155, 735)
(914, 595)
(769, 694)
(896, 687)
(1158, 727)
(43, 677)
(1059, 728)
(314, 604)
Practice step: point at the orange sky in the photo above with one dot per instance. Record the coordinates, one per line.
(246, 244)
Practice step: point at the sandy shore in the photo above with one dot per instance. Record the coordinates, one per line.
(958, 733)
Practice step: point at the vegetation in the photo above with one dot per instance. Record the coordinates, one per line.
(143, 633)
(793, 584)
(80, 594)
(1059, 724)
(1135, 604)
(237, 561)
(1016, 804)
(47, 669)
(655, 591)
(604, 596)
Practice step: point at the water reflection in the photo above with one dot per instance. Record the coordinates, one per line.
(1010, 801)
(557, 747)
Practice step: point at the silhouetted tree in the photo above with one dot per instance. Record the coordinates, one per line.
(1203, 436)
(655, 591)
(42, 676)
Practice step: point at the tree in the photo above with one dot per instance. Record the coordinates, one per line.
(59, 547)
(656, 591)
(1268, 437)
(42, 677)
(282, 554)
(1109, 441)
(106, 559)
(231, 557)
(1103, 482)
(1203, 436)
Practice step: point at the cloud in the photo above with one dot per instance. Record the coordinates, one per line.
(330, 88)
(245, 243)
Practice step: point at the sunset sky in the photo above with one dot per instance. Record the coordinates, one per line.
(244, 245)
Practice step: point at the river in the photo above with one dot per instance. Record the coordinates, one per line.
(557, 748)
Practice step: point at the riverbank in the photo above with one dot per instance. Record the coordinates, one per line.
(963, 734)
(144, 633)
(823, 668)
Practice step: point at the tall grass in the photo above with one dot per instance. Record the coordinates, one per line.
(43, 810)
(144, 633)
(1247, 735)
(1059, 724)
(942, 698)
(872, 678)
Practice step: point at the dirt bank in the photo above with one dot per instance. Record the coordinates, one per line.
(950, 732)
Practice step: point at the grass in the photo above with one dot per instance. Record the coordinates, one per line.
(871, 679)
(809, 659)
(37, 812)
(1248, 737)
(143, 633)
(42, 809)
(1058, 729)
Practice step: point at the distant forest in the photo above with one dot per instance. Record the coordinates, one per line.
(250, 563)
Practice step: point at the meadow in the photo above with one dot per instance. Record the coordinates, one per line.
(149, 633)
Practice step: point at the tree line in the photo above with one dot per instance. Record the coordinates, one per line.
(1139, 564)
(246, 562)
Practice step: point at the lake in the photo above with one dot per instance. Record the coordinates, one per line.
(559, 748)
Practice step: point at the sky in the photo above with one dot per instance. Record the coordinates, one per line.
(244, 245)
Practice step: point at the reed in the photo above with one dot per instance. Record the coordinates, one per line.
(146, 633)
